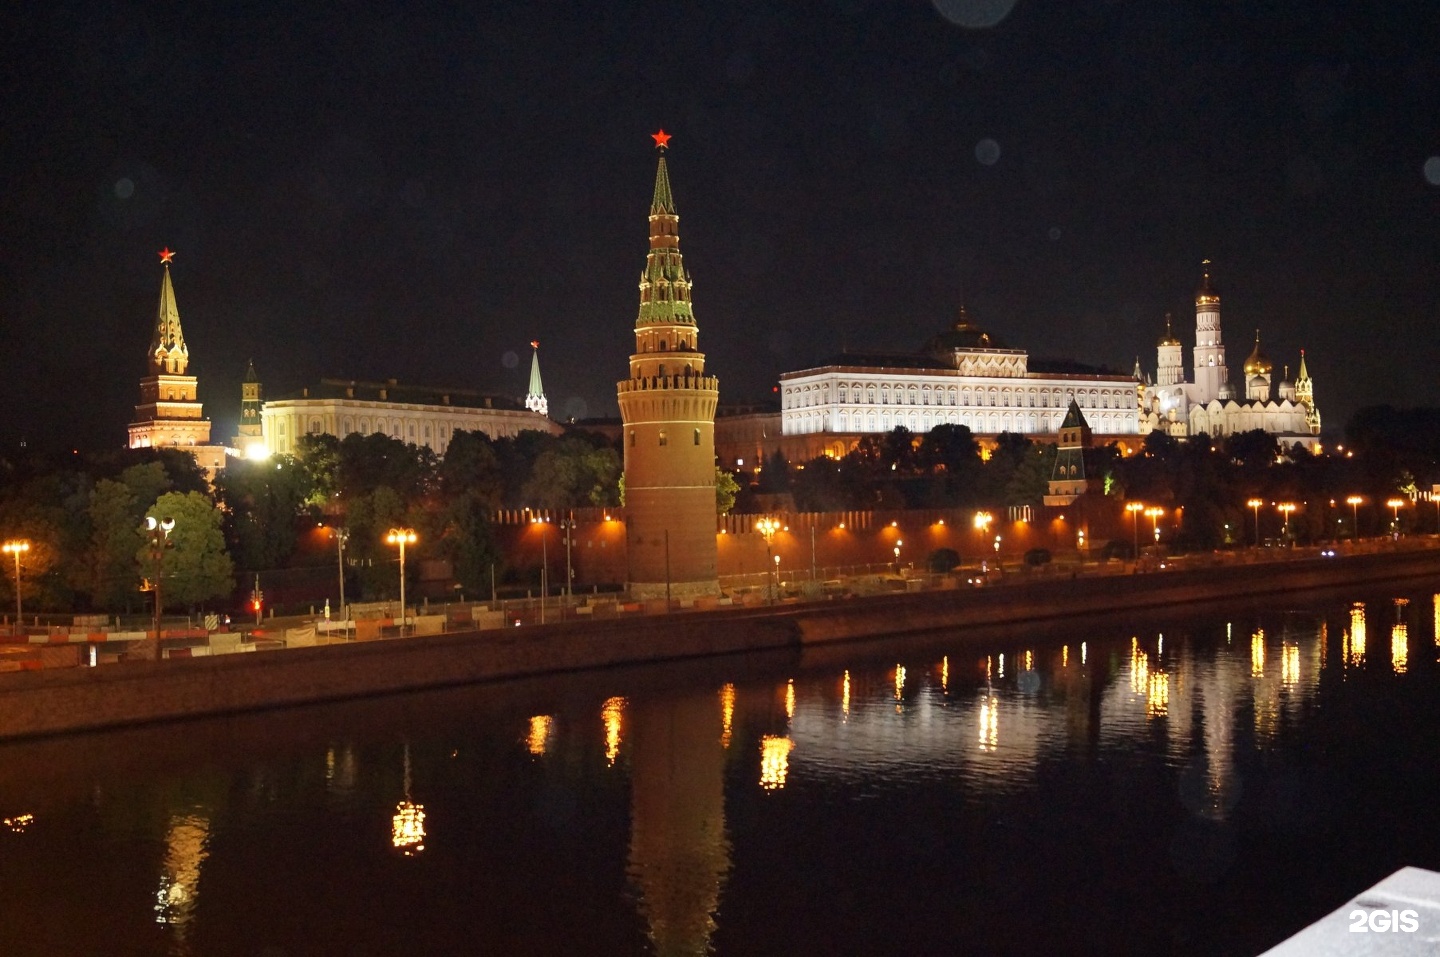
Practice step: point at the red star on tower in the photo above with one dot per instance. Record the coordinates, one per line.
(166, 255)
(662, 139)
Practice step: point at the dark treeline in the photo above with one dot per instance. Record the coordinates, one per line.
(85, 515)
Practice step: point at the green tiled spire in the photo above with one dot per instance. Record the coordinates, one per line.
(663, 201)
(664, 285)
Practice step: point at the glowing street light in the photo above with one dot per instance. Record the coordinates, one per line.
(1394, 505)
(1255, 504)
(1285, 508)
(1135, 508)
(898, 543)
(158, 533)
(1354, 502)
(982, 522)
(767, 527)
(401, 537)
(1153, 513)
(16, 548)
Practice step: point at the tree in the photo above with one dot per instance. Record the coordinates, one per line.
(726, 488)
(467, 540)
(116, 517)
(262, 502)
(197, 566)
(471, 467)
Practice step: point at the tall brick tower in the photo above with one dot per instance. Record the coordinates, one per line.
(169, 412)
(668, 408)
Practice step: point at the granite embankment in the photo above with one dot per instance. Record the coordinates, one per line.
(51, 702)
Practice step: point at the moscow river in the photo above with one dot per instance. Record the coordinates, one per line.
(1199, 783)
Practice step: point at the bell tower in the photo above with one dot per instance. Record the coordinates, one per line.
(1212, 378)
(667, 406)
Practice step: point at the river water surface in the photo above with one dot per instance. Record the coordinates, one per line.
(1202, 783)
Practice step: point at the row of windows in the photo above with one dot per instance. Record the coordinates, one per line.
(664, 437)
(1113, 422)
(872, 394)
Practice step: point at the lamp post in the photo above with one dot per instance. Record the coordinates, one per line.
(898, 543)
(1154, 513)
(1285, 508)
(158, 531)
(1394, 504)
(982, 525)
(1135, 508)
(401, 537)
(16, 548)
(767, 527)
(1354, 502)
(341, 536)
(1255, 504)
(567, 526)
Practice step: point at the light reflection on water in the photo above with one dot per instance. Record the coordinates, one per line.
(688, 793)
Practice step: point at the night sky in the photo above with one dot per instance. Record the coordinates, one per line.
(416, 190)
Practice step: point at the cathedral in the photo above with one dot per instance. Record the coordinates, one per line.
(1208, 403)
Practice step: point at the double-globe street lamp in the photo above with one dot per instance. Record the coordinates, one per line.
(17, 548)
(401, 537)
(157, 531)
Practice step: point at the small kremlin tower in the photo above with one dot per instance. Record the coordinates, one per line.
(250, 440)
(169, 414)
(668, 409)
(535, 397)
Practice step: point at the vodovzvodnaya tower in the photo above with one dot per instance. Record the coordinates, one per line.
(668, 410)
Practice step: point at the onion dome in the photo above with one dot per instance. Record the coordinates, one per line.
(1258, 364)
(1207, 294)
(1169, 338)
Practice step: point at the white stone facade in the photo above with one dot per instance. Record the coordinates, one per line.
(429, 424)
(988, 391)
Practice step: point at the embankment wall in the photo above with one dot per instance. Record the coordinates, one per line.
(51, 702)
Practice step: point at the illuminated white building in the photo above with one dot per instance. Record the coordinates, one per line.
(1209, 403)
(962, 377)
(417, 415)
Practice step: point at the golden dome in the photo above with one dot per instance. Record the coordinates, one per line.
(1258, 364)
(1169, 338)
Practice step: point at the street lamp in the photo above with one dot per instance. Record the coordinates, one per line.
(401, 537)
(1135, 508)
(341, 537)
(1354, 502)
(1285, 508)
(158, 532)
(1153, 513)
(767, 527)
(16, 548)
(1394, 504)
(1255, 504)
(567, 526)
(898, 543)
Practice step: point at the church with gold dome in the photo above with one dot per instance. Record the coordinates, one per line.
(1208, 402)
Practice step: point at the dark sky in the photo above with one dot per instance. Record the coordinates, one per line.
(417, 189)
